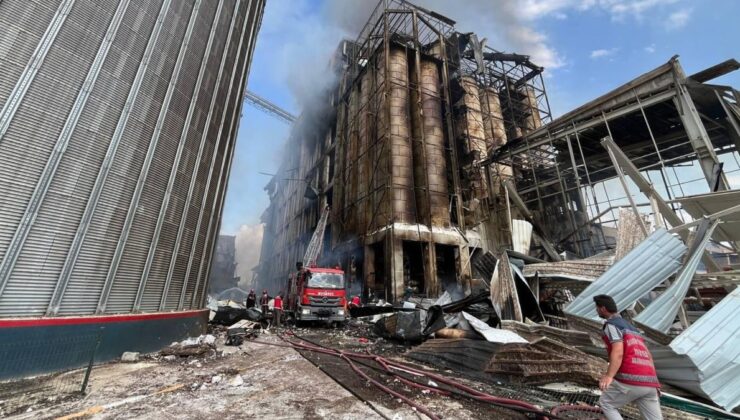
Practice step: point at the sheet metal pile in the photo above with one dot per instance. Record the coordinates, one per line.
(517, 330)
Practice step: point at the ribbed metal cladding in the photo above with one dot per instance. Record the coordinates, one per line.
(105, 117)
(199, 178)
(230, 126)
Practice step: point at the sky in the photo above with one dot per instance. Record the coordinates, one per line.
(588, 47)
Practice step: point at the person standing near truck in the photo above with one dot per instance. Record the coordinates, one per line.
(631, 376)
(277, 310)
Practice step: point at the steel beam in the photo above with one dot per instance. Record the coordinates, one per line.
(622, 161)
(519, 203)
(695, 130)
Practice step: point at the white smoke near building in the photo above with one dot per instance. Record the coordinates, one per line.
(247, 255)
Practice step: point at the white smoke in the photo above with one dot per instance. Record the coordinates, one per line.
(248, 244)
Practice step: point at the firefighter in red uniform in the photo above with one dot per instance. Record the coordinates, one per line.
(277, 309)
(355, 303)
(631, 375)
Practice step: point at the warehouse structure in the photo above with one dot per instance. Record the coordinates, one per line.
(117, 129)
(395, 152)
(433, 149)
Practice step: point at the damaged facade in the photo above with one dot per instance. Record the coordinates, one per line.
(444, 171)
(395, 152)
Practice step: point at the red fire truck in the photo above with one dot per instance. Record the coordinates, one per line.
(317, 293)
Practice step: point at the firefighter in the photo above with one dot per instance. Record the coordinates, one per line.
(355, 302)
(265, 303)
(278, 310)
(631, 375)
(251, 299)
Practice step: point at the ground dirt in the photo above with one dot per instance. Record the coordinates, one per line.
(262, 378)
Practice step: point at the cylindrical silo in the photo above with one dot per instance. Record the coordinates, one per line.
(532, 119)
(395, 195)
(402, 165)
(493, 118)
(114, 114)
(430, 162)
(471, 132)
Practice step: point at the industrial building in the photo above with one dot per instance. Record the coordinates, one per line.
(433, 149)
(117, 128)
(396, 154)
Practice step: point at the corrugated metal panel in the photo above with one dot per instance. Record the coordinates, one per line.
(45, 107)
(660, 313)
(706, 357)
(196, 67)
(702, 205)
(588, 269)
(222, 142)
(23, 23)
(186, 236)
(132, 153)
(130, 255)
(643, 268)
(76, 177)
(77, 211)
(214, 223)
(521, 235)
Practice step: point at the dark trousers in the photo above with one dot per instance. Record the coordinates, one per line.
(278, 316)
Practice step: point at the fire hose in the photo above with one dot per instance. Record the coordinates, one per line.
(393, 368)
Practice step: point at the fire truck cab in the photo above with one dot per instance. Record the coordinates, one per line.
(317, 294)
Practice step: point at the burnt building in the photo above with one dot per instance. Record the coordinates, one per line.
(396, 152)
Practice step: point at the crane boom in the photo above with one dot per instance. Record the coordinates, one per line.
(317, 240)
(268, 107)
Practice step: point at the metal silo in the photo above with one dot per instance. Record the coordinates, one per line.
(117, 128)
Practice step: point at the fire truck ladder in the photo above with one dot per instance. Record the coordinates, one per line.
(317, 240)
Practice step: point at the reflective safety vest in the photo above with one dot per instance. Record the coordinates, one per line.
(637, 364)
(278, 303)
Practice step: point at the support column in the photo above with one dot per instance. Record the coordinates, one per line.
(698, 136)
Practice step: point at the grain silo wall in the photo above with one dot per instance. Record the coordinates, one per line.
(117, 129)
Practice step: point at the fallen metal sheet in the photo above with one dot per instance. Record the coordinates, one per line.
(588, 269)
(646, 266)
(493, 335)
(406, 326)
(530, 306)
(503, 291)
(460, 354)
(661, 313)
(705, 358)
(534, 331)
(521, 233)
(483, 263)
(705, 204)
